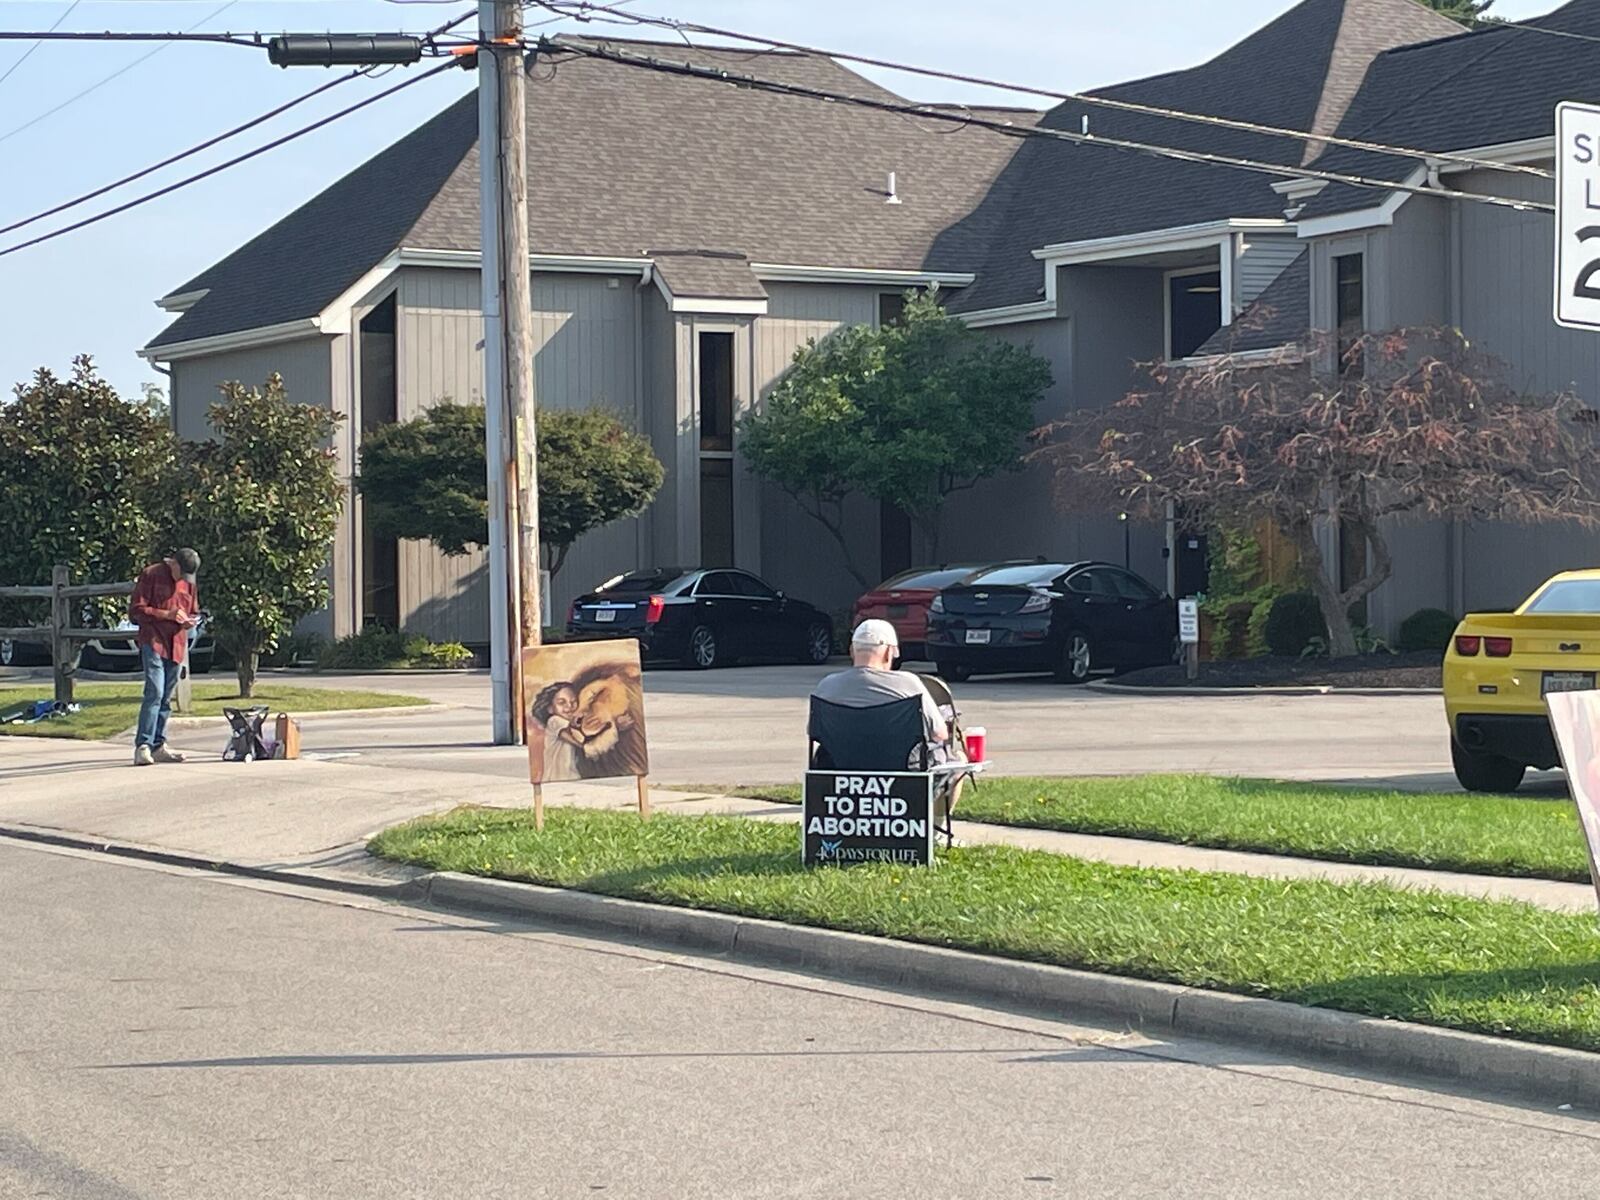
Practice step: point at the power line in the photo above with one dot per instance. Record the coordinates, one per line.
(634, 18)
(181, 155)
(123, 70)
(232, 162)
(26, 54)
(969, 118)
(130, 35)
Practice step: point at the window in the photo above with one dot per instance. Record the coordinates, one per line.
(380, 557)
(1030, 575)
(1131, 587)
(643, 583)
(1568, 596)
(891, 307)
(1350, 314)
(748, 585)
(1194, 306)
(1096, 581)
(717, 583)
(716, 391)
(716, 512)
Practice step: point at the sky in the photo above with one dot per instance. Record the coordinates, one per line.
(93, 291)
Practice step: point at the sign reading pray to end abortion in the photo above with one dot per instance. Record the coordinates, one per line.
(861, 817)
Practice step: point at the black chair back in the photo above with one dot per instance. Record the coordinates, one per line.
(885, 737)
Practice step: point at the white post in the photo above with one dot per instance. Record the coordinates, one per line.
(497, 443)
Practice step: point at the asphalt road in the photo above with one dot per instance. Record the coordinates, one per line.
(173, 1035)
(748, 725)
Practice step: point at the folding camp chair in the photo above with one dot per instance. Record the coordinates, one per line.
(246, 744)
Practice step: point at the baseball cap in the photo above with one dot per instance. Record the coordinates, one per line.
(875, 633)
(188, 562)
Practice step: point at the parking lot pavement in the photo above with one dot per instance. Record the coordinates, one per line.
(747, 725)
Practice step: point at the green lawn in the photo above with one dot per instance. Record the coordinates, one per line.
(110, 709)
(1483, 835)
(1500, 968)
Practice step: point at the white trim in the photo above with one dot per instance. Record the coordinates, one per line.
(1011, 314)
(1363, 218)
(578, 264)
(706, 305)
(1155, 241)
(1288, 352)
(335, 317)
(793, 273)
(1299, 189)
(182, 301)
(243, 339)
(1524, 151)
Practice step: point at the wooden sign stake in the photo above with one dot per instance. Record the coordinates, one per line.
(538, 806)
(644, 797)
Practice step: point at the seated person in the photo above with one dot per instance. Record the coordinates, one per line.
(872, 681)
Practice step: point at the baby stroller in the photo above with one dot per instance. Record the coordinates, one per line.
(245, 743)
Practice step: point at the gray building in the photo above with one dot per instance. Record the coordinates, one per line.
(689, 235)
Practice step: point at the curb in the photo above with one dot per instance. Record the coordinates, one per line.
(395, 710)
(1320, 689)
(1547, 1073)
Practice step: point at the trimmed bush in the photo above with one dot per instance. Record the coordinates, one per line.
(1427, 629)
(1294, 622)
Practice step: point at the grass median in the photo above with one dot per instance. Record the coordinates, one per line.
(1491, 967)
(108, 709)
(1480, 835)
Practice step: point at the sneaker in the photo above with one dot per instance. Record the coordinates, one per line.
(142, 757)
(162, 754)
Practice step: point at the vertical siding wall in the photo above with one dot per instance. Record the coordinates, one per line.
(1263, 260)
(797, 553)
(586, 342)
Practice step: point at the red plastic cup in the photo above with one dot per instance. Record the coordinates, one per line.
(977, 737)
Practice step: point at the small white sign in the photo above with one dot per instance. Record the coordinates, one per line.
(1189, 622)
(1577, 300)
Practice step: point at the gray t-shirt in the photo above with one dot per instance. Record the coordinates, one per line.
(867, 687)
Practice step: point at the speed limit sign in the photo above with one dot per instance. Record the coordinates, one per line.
(1578, 216)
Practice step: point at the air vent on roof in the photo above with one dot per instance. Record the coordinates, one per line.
(891, 195)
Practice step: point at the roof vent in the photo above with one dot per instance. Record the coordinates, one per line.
(891, 194)
(1086, 123)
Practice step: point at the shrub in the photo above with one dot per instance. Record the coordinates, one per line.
(1294, 623)
(445, 655)
(1427, 629)
(294, 649)
(373, 647)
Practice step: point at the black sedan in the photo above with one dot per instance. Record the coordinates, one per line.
(703, 618)
(1071, 619)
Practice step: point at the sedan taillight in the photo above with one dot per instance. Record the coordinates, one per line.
(1038, 602)
(575, 614)
(654, 609)
(1467, 645)
(936, 605)
(1497, 647)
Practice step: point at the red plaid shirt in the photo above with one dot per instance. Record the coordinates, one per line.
(156, 591)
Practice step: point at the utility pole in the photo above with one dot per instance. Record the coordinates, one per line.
(504, 624)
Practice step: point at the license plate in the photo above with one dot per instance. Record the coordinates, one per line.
(606, 614)
(897, 610)
(1567, 681)
(978, 637)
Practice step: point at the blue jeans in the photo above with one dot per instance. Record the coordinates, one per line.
(160, 679)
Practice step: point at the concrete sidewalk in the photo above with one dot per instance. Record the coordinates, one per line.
(315, 815)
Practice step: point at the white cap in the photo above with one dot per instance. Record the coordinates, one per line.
(875, 633)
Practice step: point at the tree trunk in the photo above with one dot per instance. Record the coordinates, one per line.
(834, 527)
(1335, 612)
(929, 524)
(245, 664)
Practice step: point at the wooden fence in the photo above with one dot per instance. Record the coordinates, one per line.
(60, 633)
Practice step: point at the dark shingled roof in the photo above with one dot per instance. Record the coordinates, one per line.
(1277, 317)
(1499, 84)
(1297, 72)
(623, 159)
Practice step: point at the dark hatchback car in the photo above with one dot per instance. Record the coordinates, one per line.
(1071, 619)
(703, 618)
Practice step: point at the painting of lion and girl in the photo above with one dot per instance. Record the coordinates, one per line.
(585, 711)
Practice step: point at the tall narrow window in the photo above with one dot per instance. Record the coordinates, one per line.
(891, 307)
(716, 391)
(1194, 303)
(1350, 313)
(380, 556)
(716, 512)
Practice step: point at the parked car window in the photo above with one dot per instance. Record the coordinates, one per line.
(928, 579)
(1568, 596)
(1131, 587)
(1095, 581)
(717, 583)
(1028, 575)
(749, 585)
(643, 583)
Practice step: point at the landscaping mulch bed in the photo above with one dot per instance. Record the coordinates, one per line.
(1421, 669)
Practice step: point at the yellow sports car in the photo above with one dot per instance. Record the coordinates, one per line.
(1498, 669)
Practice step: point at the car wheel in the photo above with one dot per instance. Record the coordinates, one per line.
(819, 644)
(704, 653)
(1077, 658)
(952, 673)
(1480, 772)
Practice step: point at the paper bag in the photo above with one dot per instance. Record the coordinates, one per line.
(288, 737)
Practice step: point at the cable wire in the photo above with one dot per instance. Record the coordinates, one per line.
(28, 53)
(669, 23)
(232, 162)
(1030, 131)
(189, 153)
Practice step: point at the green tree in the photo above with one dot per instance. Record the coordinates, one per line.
(425, 478)
(260, 503)
(905, 414)
(1468, 12)
(79, 467)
